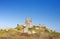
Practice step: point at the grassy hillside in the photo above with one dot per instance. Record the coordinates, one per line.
(42, 33)
(18, 35)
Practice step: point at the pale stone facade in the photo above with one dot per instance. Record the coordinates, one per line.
(28, 24)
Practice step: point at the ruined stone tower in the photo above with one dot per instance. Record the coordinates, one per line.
(28, 24)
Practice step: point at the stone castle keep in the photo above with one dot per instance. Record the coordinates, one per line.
(28, 24)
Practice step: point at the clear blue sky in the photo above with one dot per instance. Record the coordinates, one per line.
(13, 12)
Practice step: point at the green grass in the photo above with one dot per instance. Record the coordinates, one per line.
(56, 33)
(3, 32)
